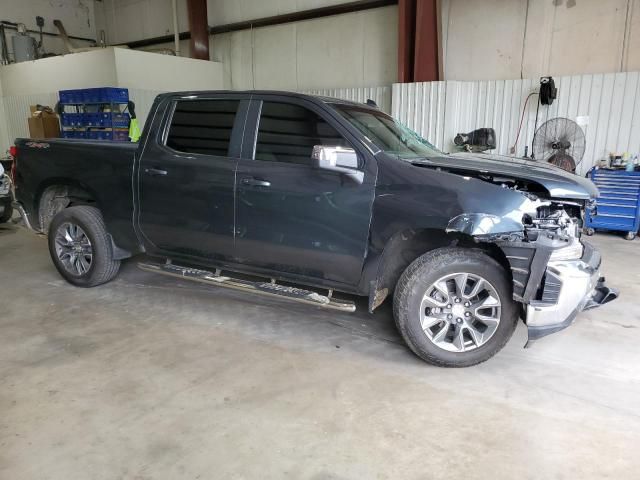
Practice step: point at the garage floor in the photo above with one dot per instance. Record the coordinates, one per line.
(150, 377)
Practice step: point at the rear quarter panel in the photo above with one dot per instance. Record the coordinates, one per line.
(103, 169)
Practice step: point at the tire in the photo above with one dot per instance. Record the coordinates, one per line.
(589, 231)
(7, 211)
(478, 340)
(630, 236)
(85, 226)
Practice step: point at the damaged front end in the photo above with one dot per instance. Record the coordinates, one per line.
(555, 274)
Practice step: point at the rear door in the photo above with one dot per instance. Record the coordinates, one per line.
(291, 217)
(187, 177)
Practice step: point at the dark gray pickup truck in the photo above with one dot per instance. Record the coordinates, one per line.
(326, 195)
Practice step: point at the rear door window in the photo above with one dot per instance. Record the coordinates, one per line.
(202, 126)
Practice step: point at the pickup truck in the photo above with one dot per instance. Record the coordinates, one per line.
(299, 196)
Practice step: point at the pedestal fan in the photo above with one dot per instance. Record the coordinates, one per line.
(559, 141)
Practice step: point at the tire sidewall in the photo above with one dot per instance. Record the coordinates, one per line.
(73, 215)
(425, 276)
(7, 210)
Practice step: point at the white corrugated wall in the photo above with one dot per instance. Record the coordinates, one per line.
(380, 95)
(440, 110)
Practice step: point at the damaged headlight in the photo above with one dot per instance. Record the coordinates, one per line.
(570, 252)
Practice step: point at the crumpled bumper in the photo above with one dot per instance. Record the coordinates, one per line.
(571, 286)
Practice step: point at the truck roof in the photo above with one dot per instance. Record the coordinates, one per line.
(308, 96)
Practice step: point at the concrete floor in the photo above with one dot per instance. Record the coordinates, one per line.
(149, 377)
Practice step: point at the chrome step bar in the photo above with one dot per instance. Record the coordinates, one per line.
(263, 288)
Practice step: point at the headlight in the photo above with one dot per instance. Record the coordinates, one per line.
(570, 252)
(4, 186)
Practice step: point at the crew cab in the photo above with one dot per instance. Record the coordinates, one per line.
(310, 195)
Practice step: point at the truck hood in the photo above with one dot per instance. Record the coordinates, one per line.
(559, 183)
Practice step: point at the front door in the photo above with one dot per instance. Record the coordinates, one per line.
(291, 217)
(187, 176)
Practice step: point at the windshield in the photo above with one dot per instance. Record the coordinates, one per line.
(386, 133)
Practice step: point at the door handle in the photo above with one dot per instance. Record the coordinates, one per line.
(254, 182)
(155, 171)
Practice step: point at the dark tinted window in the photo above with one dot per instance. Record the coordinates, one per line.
(202, 126)
(287, 133)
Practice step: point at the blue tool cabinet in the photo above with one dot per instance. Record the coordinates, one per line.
(618, 207)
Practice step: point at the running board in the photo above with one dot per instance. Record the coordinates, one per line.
(263, 288)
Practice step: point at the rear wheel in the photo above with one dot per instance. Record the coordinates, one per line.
(454, 307)
(6, 211)
(80, 247)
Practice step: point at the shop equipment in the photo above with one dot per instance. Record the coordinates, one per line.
(618, 207)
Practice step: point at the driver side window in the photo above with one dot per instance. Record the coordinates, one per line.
(288, 133)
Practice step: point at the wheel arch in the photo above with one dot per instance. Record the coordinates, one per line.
(58, 194)
(407, 245)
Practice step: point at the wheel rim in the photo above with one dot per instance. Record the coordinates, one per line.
(73, 249)
(460, 312)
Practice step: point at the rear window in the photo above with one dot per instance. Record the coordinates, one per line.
(202, 126)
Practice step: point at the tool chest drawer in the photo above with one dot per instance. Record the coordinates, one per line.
(618, 207)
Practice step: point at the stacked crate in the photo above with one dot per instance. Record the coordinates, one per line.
(95, 113)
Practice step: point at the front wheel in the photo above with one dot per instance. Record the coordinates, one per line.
(81, 248)
(454, 307)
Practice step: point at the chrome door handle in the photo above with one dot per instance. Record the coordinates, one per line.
(254, 182)
(155, 171)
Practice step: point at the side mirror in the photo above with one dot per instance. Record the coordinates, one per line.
(338, 159)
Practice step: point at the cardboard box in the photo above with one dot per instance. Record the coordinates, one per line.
(43, 124)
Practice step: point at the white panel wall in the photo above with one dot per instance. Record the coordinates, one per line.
(128, 20)
(440, 110)
(350, 50)
(514, 39)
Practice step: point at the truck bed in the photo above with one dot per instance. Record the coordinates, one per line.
(102, 168)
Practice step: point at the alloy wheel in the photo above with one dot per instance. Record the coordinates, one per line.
(460, 312)
(73, 248)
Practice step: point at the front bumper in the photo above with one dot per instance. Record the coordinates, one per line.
(570, 286)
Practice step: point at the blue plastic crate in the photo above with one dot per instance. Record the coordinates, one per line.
(73, 134)
(100, 134)
(118, 120)
(121, 135)
(70, 97)
(94, 95)
(115, 95)
(105, 135)
(72, 119)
